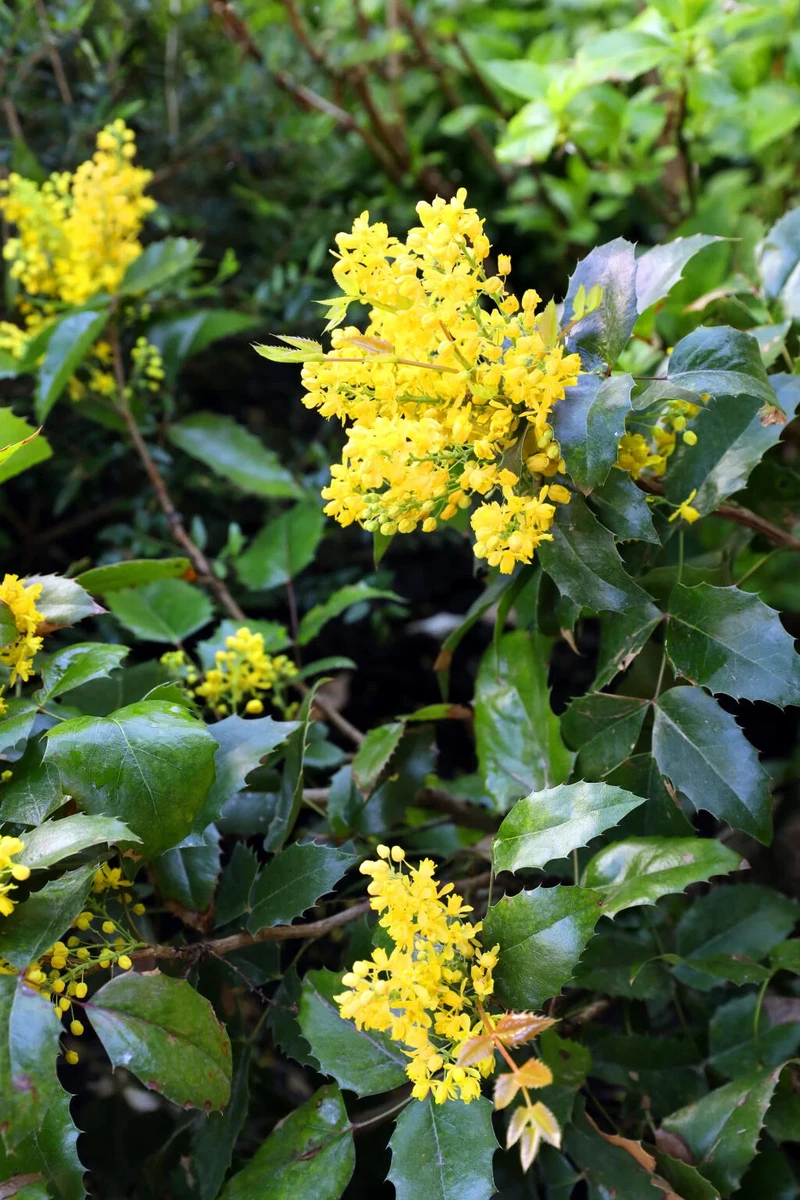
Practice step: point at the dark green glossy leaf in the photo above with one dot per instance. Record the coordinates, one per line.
(603, 334)
(16, 723)
(182, 337)
(150, 764)
(622, 507)
(77, 664)
(342, 599)
(641, 870)
(584, 564)
(54, 840)
(233, 896)
(43, 917)
(188, 874)
(69, 343)
(735, 968)
(158, 264)
(63, 601)
(293, 881)
(592, 457)
(612, 1171)
(542, 934)
(604, 730)
(283, 548)
(718, 360)
(34, 790)
(659, 269)
(569, 1061)
(519, 743)
(668, 1070)
(723, 1128)
(687, 1181)
(374, 753)
(13, 430)
(732, 1048)
(310, 1154)
(131, 573)
(491, 595)
(284, 1024)
(623, 635)
(551, 824)
(166, 1033)
(234, 453)
(741, 919)
(662, 816)
(52, 1150)
(728, 641)
(778, 261)
(612, 964)
(443, 1151)
(242, 744)
(364, 1061)
(216, 1136)
(290, 795)
(29, 1033)
(167, 611)
(705, 754)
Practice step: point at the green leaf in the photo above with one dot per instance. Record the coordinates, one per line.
(490, 596)
(723, 1128)
(8, 625)
(621, 964)
(310, 1153)
(718, 360)
(521, 76)
(233, 896)
(188, 874)
(623, 635)
(132, 573)
(294, 880)
(732, 1048)
(609, 1169)
(601, 336)
(215, 1138)
(167, 611)
(63, 601)
(734, 968)
(234, 453)
(593, 430)
(743, 919)
(151, 764)
(530, 135)
(659, 269)
(242, 744)
(374, 753)
(29, 1033)
(282, 549)
(641, 870)
(276, 638)
(70, 342)
(51, 1150)
(604, 729)
(518, 738)
(778, 261)
(290, 796)
(668, 1070)
(16, 431)
(622, 54)
(662, 816)
(182, 337)
(16, 723)
(362, 1060)
(283, 1020)
(158, 264)
(339, 602)
(43, 917)
(551, 824)
(622, 507)
(542, 934)
(34, 790)
(705, 754)
(54, 840)
(443, 1151)
(584, 564)
(167, 1035)
(728, 641)
(76, 664)
(568, 1061)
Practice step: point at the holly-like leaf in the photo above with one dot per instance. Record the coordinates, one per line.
(167, 611)
(641, 870)
(542, 934)
(233, 895)
(604, 730)
(166, 1033)
(364, 1061)
(179, 338)
(215, 1137)
(623, 635)
(77, 664)
(622, 507)
(43, 917)
(341, 600)
(551, 824)
(283, 548)
(34, 790)
(293, 881)
(584, 564)
(150, 764)
(374, 753)
(443, 1151)
(233, 453)
(705, 754)
(161, 262)
(732, 1046)
(744, 919)
(659, 269)
(29, 1033)
(54, 840)
(722, 1129)
(662, 816)
(51, 1150)
(132, 572)
(63, 601)
(778, 261)
(68, 345)
(519, 743)
(16, 723)
(729, 641)
(612, 1169)
(188, 874)
(603, 334)
(592, 453)
(290, 794)
(309, 1154)
(719, 361)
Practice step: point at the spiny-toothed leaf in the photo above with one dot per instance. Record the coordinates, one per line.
(604, 730)
(443, 1151)
(374, 753)
(293, 881)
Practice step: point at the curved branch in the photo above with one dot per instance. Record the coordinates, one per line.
(741, 516)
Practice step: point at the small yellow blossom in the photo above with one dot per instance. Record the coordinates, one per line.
(21, 599)
(684, 511)
(244, 669)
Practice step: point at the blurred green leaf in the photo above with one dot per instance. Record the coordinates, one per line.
(234, 453)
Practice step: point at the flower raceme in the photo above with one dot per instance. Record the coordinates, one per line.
(449, 391)
(243, 673)
(428, 992)
(9, 871)
(20, 598)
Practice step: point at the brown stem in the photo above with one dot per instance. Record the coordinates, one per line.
(683, 147)
(741, 516)
(55, 58)
(489, 93)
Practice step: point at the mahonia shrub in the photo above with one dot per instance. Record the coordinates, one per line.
(565, 966)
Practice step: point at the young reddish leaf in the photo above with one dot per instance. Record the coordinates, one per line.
(474, 1050)
(534, 1074)
(505, 1089)
(514, 1029)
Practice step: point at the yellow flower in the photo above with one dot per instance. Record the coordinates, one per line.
(9, 848)
(107, 879)
(21, 599)
(684, 511)
(244, 669)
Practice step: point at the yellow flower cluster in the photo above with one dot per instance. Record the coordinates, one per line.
(637, 454)
(244, 673)
(21, 599)
(9, 847)
(448, 393)
(78, 232)
(426, 991)
(148, 365)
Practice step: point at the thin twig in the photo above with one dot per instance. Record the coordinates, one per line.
(55, 58)
(740, 516)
